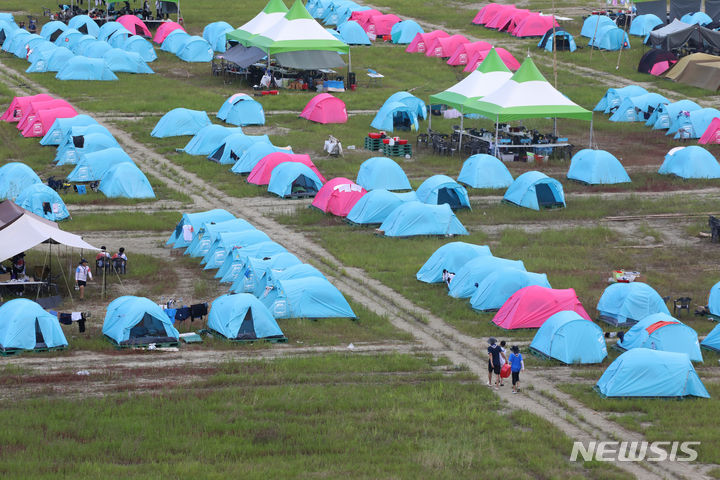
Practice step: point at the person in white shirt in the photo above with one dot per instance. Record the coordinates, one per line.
(120, 266)
(82, 274)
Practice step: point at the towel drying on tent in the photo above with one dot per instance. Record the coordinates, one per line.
(338, 196)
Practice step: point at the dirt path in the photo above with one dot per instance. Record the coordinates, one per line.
(429, 330)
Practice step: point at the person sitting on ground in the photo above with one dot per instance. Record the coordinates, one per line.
(82, 274)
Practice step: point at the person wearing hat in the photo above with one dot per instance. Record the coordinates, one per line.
(82, 273)
(494, 354)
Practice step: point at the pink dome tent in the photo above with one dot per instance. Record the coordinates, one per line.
(19, 105)
(444, 47)
(164, 30)
(712, 133)
(381, 24)
(324, 108)
(421, 41)
(465, 51)
(338, 196)
(534, 25)
(261, 173)
(44, 120)
(517, 18)
(134, 25)
(487, 13)
(477, 58)
(363, 17)
(529, 307)
(502, 18)
(38, 105)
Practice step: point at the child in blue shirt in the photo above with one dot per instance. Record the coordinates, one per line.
(516, 366)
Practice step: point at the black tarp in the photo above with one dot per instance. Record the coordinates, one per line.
(678, 8)
(678, 34)
(656, 7)
(712, 8)
(243, 56)
(310, 59)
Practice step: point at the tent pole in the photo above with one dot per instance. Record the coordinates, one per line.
(591, 132)
(617, 65)
(349, 69)
(462, 130)
(497, 126)
(597, 23)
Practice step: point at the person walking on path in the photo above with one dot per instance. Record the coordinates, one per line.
(494, 354)
(82, 273)
(517, 365)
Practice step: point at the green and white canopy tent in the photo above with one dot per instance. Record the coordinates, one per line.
(273, 12)
(490, 75)
(526, 95)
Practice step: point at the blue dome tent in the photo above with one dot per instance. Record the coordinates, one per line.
(118, 39)
(494, 290)
(41, 53)
(694, 124)
(484, 171)
(236, 258)
(638, 109)
(141, 46)
(84, 24)
(68, 38)
(451, 257)
(79, 46)
(57, 59)
(393, 114)
(468, 276)
(302, 270)
(84, 68)
(52, 30)
(310, 297)
(62, 126)
(374, 207)
(690, 162)
(535, 190)
(594, 23)
(70, 154)
(253, 276)
(404, 32)
(76, 134)
(14, 178)
(125, 180)
(194, 221)
(294, 180)
(441, 189)
(92, 167)
(214, 34)
(241, 109)
(417, 218)
(210, 231)
(411, 101)
(642, 25)
(596, 167)
(614, 97)
(43, 201)
(94, 49)
(24, 325)
(696, 18)
(610, 38)
(714, 300)
(180, 121)
(660, 331)
(132, 321)
(623, 304)
(571, 339)
(110, 28)
(558, 37)
(353, 34)
(14, 39)
(663, 116)
(128, 62)
(242, 317)
(227, 241)
(383, 173)
(196, 49)
(642, 372)
(234, 146)
(712, 341)
(253, 154)
(175, 41)
(208, 138)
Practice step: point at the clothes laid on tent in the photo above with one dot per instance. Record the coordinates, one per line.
(403, 32)
(537, 25)
(243, 317)
(214, 34)
(656, 62)
(535, 190)
(471, 274)
(324, 108)
(418, 218)
(596, 167)
(660, 331)
(57, 59)
(353, 34)
(164, 30)
(395, 115)
(382, 173)
(233, 146)
(692, 124)
(614, 97)
(571, 339)
(294, 180)
(61, 127)
(465, 51)
(375, 206)
(338, 196)
(133, 321)
(440, 189)
(479, 56)
(421, 41)
(84, 24)
(690, 162)
(638, 109)
(712, 133)
(610, 38)
(484, 171)
(269, 16)
(642, 25)
(175, 41)
(699, 70)
(310, 297)
(208, 138)
(43, 201)
(594, 23)
(190, 224)
(559, 39)
(123, 61)
(196, 49)
(140, 46)
(444, 47)
(241, 109)
(125, 180)
(24, 325)
(253, 154)
(14, 178)
(180, 121)
(134, 25)
(253, 276)
(451, 257)
(496, 288)
(643, 372)
(531, 306)
(92, 166)
(85, 68)
(261, 173)
(623, 304)
(678, 34)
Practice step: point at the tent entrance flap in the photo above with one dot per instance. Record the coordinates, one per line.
(149, 326)
(247, 328)
(449, 196)
(303, 184)
(310, 59)
(545, 196)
